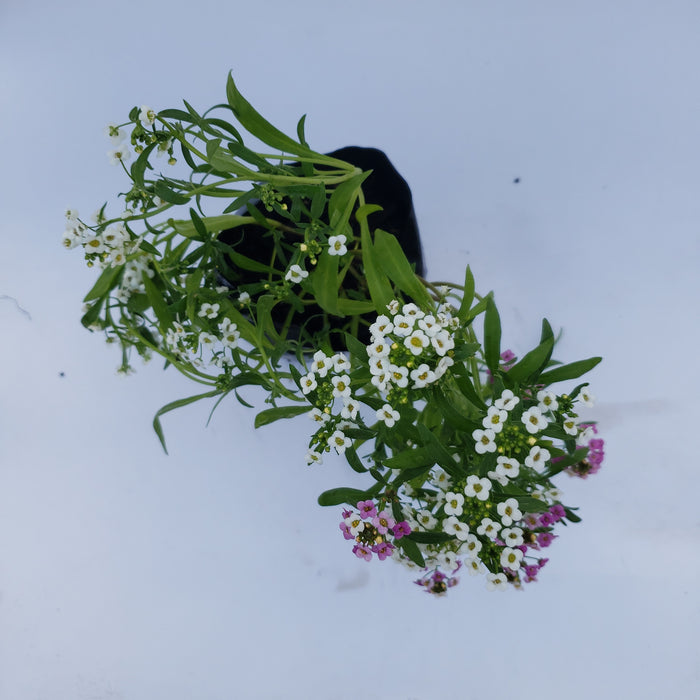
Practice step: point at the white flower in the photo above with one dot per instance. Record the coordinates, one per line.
(119, 155)
(587, 397)
(488, 528)
(71, 216)
(537, 458)
(533, 420)
(71, 238)
(350, 408)
(416, 342)
(340, 363)
(207, 310)
(380, 327)
(316, 414)
(512, 536)
(477, 487)
(442, 366)
(321, 363)
(296, 274)
(381, 380)
(399, 375)
(509, 511)
(495, 418)
(355, 524)
(586, 435)
(448, 560)
(229, 333)
(339, 441)
(496, 582)
(313, 457)
(341, 386)
(422, 376)
(547, 401)
(426, 519)
(570, 427)
(308, 383)
(454, 503)
(336, 245)
(147, 116)
(393, 307)
(116, 257)
(453, 526)
(243, 298)
(412, 310)
(403, 325)
(507, 466)
(115, 236)
(93, 244)
(441, 479)
(495, 476)
(429, 325)
(115, 134)
(511, 558)
(207, 339)
(442, 342)
(387, 414)
(471, 547)
(474, 567)
(485, 441)
(508, 401)
(379, 348)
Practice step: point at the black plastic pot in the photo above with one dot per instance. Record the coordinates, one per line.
(384, 187)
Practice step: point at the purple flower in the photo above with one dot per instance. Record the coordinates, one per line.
(545, 520)
(544, 539)
(382, 521)
(346, 513)
(362, 552)
(383, 550)
(401, 530)
(531, 572)
(367, 509)
(346, 532)
(557, 511)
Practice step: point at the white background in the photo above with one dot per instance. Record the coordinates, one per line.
(126, 574)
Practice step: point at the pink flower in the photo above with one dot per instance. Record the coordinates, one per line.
(346, 531)
(401, 530)
(383, 521)
(367, 509)
(544, 539)
(557, 512)
(362, 552)
(383, 550)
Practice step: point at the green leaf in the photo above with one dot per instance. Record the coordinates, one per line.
(272, 414)
(526, 503)
(570, 371)
(354, 307)
(410, 458)
(467, 296)
(396, 266)
(566, 461)
(429, 537)
(336, 497)
(467, 388)
(571, 516)
(492, 336)
(440, 454)
(160, 307)
(378, 283)
(354, 461)
(257, 125)
(169, 195)
(104, 283)
(138, 169)
(356, 347)
(213, 224)
(533, 362)
(148, 248)
(325, 283)
(178, 114)
(92, 314)
(300, 131)
(410, 549)
(342, 201)
(171, 407)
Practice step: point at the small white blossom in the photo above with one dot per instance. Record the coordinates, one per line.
(341, 386)
(474, 567)
(388, 415)
(393, 307)
(355, 524)
(422, 376)
(147, 116)
(207, 310)
(313, 457)
(339, 441)
(453, 526)
(403, 325)
(547, 401)
(416, 342)
(441, 479)
(381, 380)
(340, 363)
(119, 155)
(399, 375)
(443, 365)
(537, 458)
(379, 348)
(484, 441)
(496, 582)
(116, 134)
(587, 397)
(426, 519)
(570, 427)
(508, 401)
(243, 298)
(350, 408)
(488, 528)
(512, 536)
(507, 466)
(511, 558)
(296, 274)
(454, 503)
(308, 383)
(533, 420)
(207, 339)
(509, 511)
(477, 487)
(471, 547)
(336, 245)
(321, 364)
(380, 327)
(429, 325)
(442, 342)
(317, 415)
(495, 418)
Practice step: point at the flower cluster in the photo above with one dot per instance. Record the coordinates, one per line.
(371, 528)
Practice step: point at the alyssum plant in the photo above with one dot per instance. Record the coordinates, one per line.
(266, 269)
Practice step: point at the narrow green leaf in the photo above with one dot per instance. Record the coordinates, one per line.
(104, 283)
(492, 336)
(178, 114)
(570, 371)
(148, 248)
(440, 454)
(467, 296)
(160, 307)
(92, 314)
(300, 131)
(138, 169)
(169, 195)
(354, 461)
(410, 458)
(533, 362)
(270, 415)
(354, 307)
(379, 286)
(342, 201)
(324, 280)
(356, 347)
(171, 407)
(215, 224)
(410, 549)
(336, 497)
(396, 266)
(467, 388)
(571, 516)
